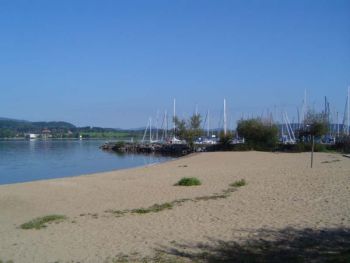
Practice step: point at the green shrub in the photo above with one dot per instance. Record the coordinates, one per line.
(188, 181)
(40, 222)
(259, 135)
(343, 144)
(239, 183)
(153, 209)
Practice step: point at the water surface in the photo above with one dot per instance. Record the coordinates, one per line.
(24, 160)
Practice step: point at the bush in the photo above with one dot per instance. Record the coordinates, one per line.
(259, 135)
(188, 181)
(239, 183)
(343, 144)
(225, 141)
(40, 222)
(303, 147)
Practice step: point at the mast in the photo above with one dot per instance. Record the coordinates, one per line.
(150, 130)
(144, 134)
(337, 124)
(303, 109)
(348, 128)
(174, 116)
(225, 118)
(157, 125)
(166, 124)
(208, 128)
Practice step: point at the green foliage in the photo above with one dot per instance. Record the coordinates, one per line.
(225, 140)
(40, 222)
(153, 209)
(188, 181)
(239, 183)
(7, 133)
(189, 130)
(315, 124)
(258, 135)
(343, 144)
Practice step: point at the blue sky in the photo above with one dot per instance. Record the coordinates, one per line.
(116, 63)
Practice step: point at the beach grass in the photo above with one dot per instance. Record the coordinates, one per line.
(188, 181)
(153, 209)
(40, 222)
(178, 202)
(239, 183)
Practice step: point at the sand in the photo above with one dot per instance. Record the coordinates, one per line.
(282, 191)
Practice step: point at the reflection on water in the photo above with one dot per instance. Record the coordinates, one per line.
(24, 160)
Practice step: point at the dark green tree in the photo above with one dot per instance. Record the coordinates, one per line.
(315, 126)
(225, 139)
(189, 130)
(258, 135)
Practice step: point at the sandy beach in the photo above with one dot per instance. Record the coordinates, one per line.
(282, 192)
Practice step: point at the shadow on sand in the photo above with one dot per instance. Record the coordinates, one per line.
(287, 245)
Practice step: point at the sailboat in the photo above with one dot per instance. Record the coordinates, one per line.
(175, 140)
(210, 139)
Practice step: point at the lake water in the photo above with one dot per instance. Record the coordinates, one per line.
(24, 160)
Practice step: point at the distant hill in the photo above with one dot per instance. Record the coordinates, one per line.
(10, 128)
(21, 125)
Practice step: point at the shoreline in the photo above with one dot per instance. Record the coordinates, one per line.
(281, 192)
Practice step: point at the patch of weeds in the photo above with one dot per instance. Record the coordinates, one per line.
(332, 161)
(40, 222)
(7, 261)
(188, 181)
(239, 183)
(120, 258)
(211, 197)
(117, 213)
(183, 166)
(153, 209)
(94, 215)
(180, 201)
(228, 191)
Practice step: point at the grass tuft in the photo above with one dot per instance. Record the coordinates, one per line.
(153, 209)
(40, 222)
(239, 183)
(188, 181)
(117, 213)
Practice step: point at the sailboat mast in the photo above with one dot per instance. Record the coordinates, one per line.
(174, 116)
(348, 128)
(208, 125)
(157, 125)
(338, 124)
(150, 130)
(166, 124)
(225, 118)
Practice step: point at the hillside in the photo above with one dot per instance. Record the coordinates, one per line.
(11, 128)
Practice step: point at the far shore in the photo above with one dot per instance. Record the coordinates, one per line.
(111, 216)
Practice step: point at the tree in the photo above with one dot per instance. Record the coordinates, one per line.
(315, 125)
(225, 139)
(189, 130)
(259, 135)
